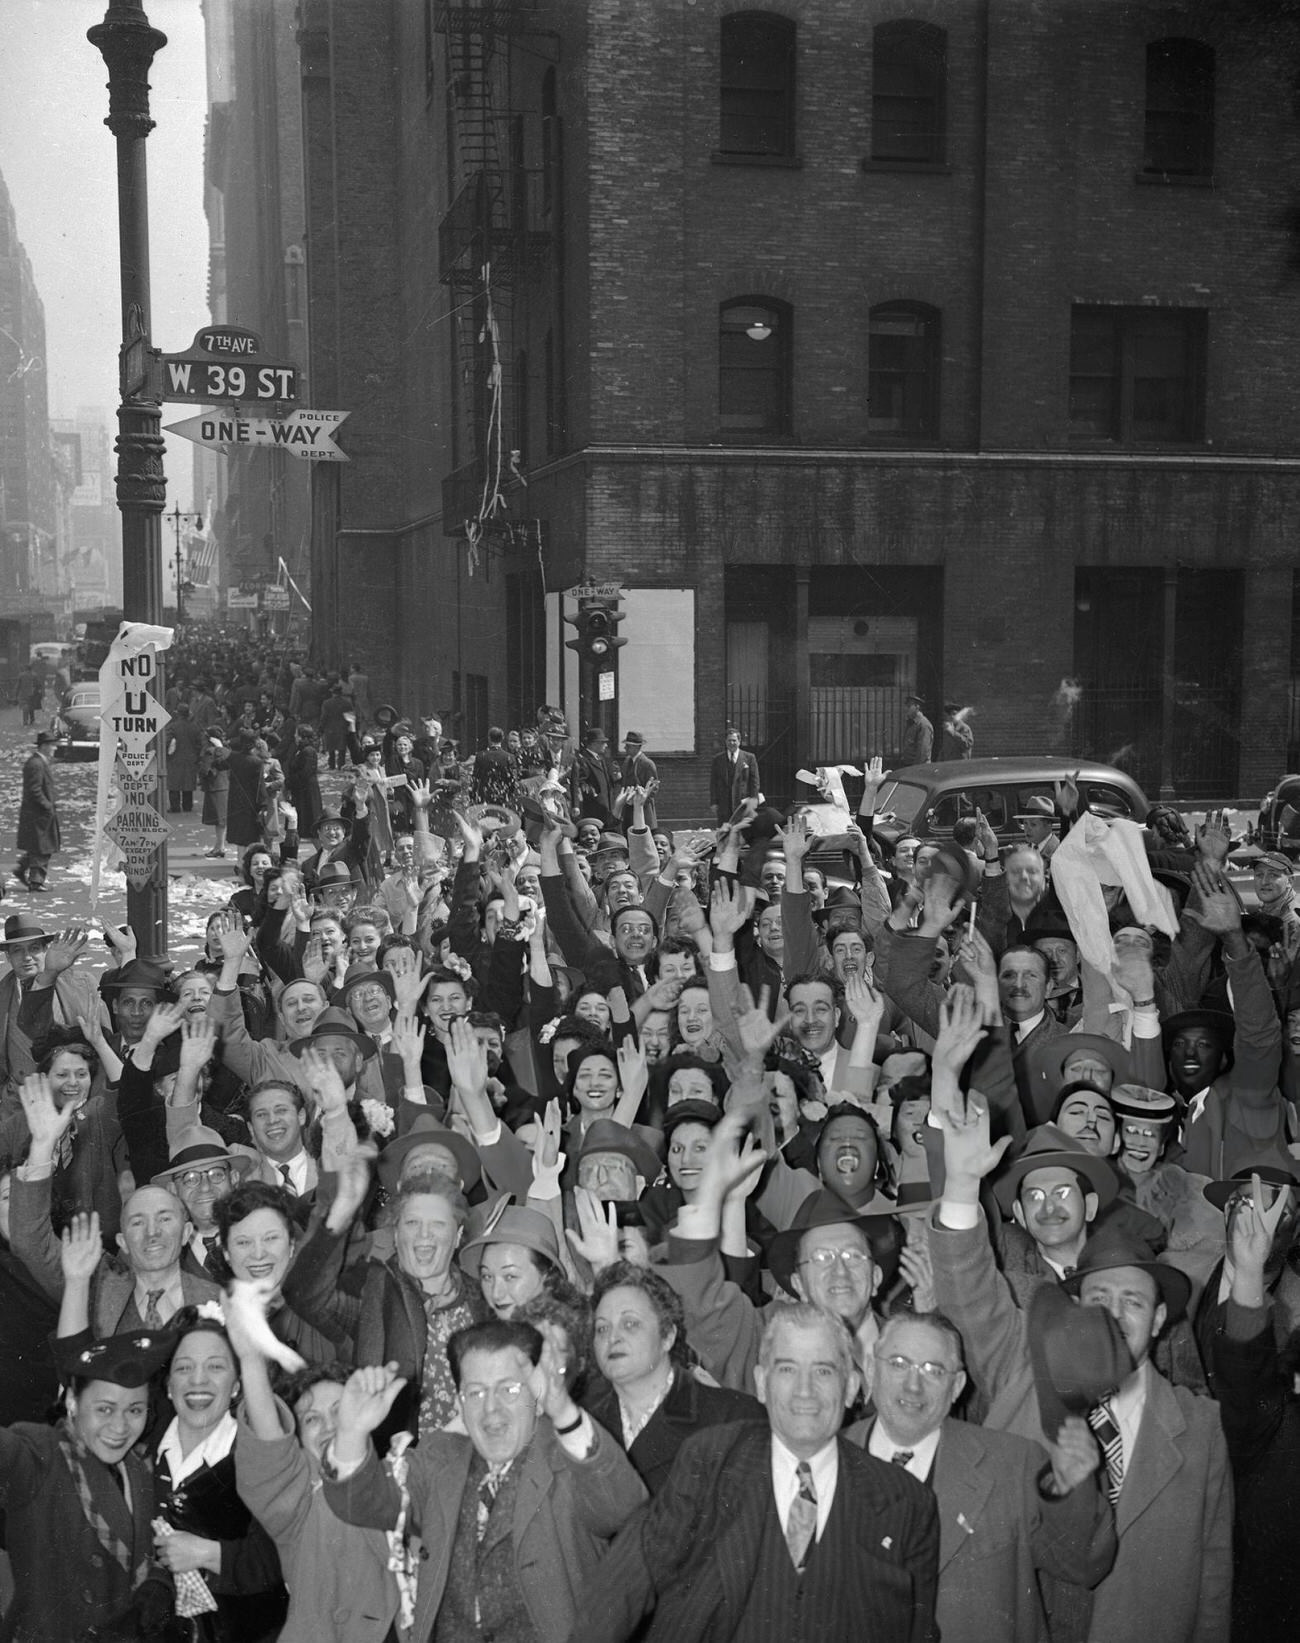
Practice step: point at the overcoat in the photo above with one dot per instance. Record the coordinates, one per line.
(38, 814)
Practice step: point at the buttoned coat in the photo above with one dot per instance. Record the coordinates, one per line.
(566, 1510)
(38, 814)
(730, 785)
(996, 1533)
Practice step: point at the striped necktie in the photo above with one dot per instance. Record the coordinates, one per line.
(801, 1525)
(900, 1457)
(1102, 1420)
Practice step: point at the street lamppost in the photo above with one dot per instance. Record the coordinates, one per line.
(178, 519)
(128, 44)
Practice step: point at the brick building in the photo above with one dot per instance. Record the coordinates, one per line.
(870, 346)
(27, 483)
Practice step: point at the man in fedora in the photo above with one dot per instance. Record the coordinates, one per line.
(638, 770)
(1009, 1513)
(1166, 1458)
(201, 1171)
(1039, 822)
(1050, 1195)
(38, 815)
(26, 947)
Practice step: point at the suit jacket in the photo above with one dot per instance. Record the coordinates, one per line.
(73, 994)
(1177, 1488)
(690, 1406)
(729, 786)
(997, 1534)
(692, 1551)
(565, 1512)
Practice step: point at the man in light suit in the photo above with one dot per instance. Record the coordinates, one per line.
(733, 777)
(1169, 1476)
(1007, 1513)
(514, 1517)
(150, 1282)
(792, 1532)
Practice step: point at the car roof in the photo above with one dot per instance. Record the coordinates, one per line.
(990, 772)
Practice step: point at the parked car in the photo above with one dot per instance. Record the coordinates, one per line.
(76, 724)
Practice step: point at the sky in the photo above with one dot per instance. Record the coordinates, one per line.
(59, 162)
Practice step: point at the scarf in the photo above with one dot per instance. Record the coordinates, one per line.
(74, 1454)
(402, 1561)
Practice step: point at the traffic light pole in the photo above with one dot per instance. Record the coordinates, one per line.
(128, 44)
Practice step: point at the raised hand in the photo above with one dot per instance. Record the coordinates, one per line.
(943, 902)
(1252, 1227)
(234, 941)
(467, 1060)
(546, 1139)
(664, 993)
(866, 1005)
(618, 1007)
(64, 952)
(1067, 794)
(409, 986)
(1132, 970)
(471, 835)
(732, 1162)
(353, 1185)
(324, 1081)
(121, 938)
(633, 1072)
(961, 1027)
(46, 1122)
(596, 1239)
(92, 1030)
(368, 1395)
(408, 1040)
(1075, 1454)
(794, 838)
(968, 1153)
(198, 1043)
(690, 915)
(916, 1266)
(988, 839)
(757, 1033)
(314, 967)
(1214, 838)
(873, 779)
(731, 905)
(80, 1249)
(165, 1020)
(290, 815)
(1220, 911)
(421, 795)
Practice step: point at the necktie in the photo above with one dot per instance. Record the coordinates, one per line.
(115, 1472)
(1102, 1420)
(288, 1178)
(487, 1494)
(152, 1317)
(801, 1525)
(900, 1457)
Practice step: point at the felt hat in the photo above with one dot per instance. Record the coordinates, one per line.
(426, 1131)
(329, 816)
(21, 929)
(1037, 808)
(1218, 1021)
(1078, 1355)
(951, 861)
(332, 875)
(357, 973)
(634, 737)
(1044, 1067)
(690, 1111)
(1271, 1171)
(502, 1222)
(129, 1360)
(605, 1135)
(46, 738)
(825, 1209)
(385, 715)
(1048, 1147)
(335, 1023)
(843, 906)
(1114, 1246)
(139, 972)
(913, 697)
(198, 1147)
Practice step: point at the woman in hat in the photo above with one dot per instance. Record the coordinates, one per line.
(302, 781)
(514, 1255)
(687, 1128)
(647, 1396)
(228, 1585)
(78, 1489)
(214, 779)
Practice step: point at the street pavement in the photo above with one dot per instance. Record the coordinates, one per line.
(196, 888)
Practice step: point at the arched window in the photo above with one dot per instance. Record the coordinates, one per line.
(1179, 136)
(903, 369)
(757, 84)
(909, 66)
(754, 367)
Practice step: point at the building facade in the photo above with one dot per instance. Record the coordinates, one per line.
(27, 474)
(870, 347)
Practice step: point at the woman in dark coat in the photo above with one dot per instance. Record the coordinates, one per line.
(302, 782)
(247, 802)
(212, 1533)
(184, 744)
(214, 776)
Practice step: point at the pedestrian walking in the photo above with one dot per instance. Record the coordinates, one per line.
(38, 815)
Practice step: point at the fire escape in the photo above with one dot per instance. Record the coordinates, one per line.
(488, 243)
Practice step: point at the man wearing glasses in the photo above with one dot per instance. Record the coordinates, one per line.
(202, 1171)
(515, 1515)
(1008, 1512)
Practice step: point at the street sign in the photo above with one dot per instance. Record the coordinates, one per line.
(595, 590)
(606, 686)
(225, 365)
(305, 434)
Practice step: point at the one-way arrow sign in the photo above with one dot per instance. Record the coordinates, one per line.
(304, 434)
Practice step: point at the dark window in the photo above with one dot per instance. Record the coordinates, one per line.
(550, 141)
(1180, 109)
(1137, 374)
(754, 367)
(521, 406)
(551, 389)
(903, 370)
(908, 69)
(430, 60)
(757, 84)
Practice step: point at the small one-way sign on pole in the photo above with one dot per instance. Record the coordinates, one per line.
(305, 434)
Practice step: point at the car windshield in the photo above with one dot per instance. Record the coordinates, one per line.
(900, 800)
(84, 698)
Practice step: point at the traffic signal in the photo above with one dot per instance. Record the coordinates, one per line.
(597, 623)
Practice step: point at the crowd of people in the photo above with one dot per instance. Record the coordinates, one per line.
(526, 1223)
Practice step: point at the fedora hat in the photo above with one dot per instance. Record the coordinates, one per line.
(843, 905)
(951, 861)
(385, 715)
(824, 1209)
(1078, 1355)
(46, 738)
(21, 929)
(332, 875)
(1037, 808)
(199, 1146)
(357, 973)
(335, 1023)
(605, 1135)
(1045, 1065)
(139, 972)
(1114, 1246)
(426, 1131)
(493, 818)
(1048, 1147)
(1271, 1171)
(1218, 1021)
(329, 816)
(502, 1222)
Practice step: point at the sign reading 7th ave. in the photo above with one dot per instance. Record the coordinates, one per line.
(226, 365)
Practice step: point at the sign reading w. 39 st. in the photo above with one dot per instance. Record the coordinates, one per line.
(226, 366)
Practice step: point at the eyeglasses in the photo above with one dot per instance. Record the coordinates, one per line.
(216, 1177)
(1038, 1196)
(509, 1392)
(825, 1259)
(897, 1364)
